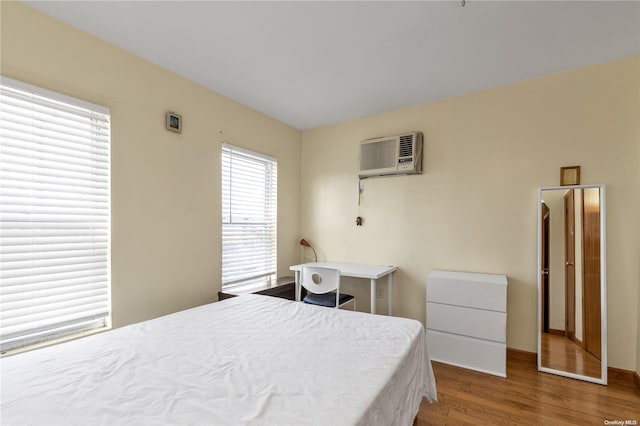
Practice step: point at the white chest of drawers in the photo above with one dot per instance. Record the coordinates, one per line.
(467, 320)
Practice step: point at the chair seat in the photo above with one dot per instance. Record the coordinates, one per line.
(326, 299)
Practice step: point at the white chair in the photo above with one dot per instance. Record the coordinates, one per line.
(323, 287)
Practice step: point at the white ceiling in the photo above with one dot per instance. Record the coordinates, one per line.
(311, 64)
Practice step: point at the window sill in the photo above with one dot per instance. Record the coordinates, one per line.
(52, 342)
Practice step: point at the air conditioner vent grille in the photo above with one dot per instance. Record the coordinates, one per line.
(406, 146)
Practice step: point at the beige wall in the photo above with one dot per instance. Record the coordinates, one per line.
(165, 187)
(474, 207)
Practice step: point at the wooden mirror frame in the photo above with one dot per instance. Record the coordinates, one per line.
(603, 286)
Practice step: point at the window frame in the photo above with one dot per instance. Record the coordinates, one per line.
(268, 274)
(94, 121)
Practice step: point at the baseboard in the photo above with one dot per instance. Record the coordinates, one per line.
(520, 355)
(613, 374)
(575, 340)
(555, 332)
(623, 376)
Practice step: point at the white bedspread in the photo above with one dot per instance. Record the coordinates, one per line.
(250, 360)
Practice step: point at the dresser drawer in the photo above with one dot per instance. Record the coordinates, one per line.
(467, 352)
(481, 291)
(471, 322)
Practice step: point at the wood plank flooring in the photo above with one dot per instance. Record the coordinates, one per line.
(560, 353)
(525, 397)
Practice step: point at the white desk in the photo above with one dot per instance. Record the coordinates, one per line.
(356, 270)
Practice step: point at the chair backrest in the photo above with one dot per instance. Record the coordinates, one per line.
(320, 280)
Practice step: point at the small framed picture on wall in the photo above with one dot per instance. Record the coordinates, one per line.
(174, 122)
(570, 175)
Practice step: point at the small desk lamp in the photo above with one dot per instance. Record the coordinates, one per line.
(305, 243)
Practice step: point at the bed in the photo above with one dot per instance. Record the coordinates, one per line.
(248, 360)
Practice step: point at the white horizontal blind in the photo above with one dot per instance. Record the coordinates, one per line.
(249, 217)
(54, 215)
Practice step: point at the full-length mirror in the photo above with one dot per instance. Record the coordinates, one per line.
(572, 332)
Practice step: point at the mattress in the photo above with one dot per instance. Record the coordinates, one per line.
(249, 360)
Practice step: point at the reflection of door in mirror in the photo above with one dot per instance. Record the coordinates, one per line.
(569, 243)
(570, 305)
(591, 271)
(544, 255)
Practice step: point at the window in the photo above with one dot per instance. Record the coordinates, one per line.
(249, 217)
(54, 215)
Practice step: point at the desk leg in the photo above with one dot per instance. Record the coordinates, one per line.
(389, 293)
(297, 285)
(373, 296)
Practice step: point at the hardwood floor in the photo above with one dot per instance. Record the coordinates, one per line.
(560, 353)
(526, 397)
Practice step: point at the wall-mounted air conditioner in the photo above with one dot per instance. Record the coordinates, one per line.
(393, 155)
